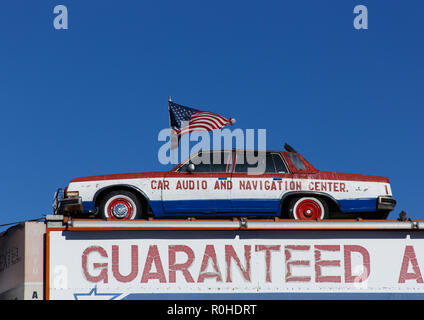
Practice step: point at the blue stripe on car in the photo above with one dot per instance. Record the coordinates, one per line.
(358, 205)
(88, 206)
(244, 207)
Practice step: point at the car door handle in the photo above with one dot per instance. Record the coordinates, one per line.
(222, 178)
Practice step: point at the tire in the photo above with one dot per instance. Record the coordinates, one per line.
(308, 208)
(120, 205)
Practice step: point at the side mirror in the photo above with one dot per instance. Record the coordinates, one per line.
(191, 167)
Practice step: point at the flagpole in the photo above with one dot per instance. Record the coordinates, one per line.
(169, 110)
(172, 133)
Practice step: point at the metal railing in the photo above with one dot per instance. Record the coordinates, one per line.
(235, 224)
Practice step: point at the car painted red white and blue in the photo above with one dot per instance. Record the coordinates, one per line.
(288, 187)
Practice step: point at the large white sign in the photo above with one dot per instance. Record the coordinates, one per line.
(198, 264)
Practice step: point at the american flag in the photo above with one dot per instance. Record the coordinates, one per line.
(185, 120)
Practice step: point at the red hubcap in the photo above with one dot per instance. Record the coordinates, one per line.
(120, 209)
(308, 210)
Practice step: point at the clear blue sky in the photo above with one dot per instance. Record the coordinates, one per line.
(91, 99)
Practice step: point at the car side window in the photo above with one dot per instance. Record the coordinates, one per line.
(183, 168)
(270, 167)
(220, 160)
(242, 165)
(208, 162)
(297, 162)
(262, 165)
(200, 161)
(280, 166)
(202, 167)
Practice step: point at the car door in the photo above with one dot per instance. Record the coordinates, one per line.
(258, 192)
(204, 191)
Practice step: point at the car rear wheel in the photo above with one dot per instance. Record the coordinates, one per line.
(120, 205)
(308, 208)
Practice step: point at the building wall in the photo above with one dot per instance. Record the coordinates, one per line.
(22, 262)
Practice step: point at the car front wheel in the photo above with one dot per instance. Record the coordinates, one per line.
(308, 208)
(120, 205)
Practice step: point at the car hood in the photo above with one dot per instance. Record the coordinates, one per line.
(121, 176)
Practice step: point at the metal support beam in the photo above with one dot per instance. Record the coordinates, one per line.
(241, 224)
(155, 225)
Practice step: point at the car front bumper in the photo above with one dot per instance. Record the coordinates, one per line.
(385, 203)
(66, 206)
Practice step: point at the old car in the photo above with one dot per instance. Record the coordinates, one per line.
(227, 183)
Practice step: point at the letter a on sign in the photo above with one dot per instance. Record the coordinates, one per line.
(60, 21)
(361, 20)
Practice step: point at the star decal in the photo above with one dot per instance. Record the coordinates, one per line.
(94, 295)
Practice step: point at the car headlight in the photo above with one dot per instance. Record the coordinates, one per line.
(71, 194)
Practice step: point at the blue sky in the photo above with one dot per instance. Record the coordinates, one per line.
(92, 99)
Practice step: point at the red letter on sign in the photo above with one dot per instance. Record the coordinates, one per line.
(231, 254)
(173, 268)
(209, 254)
(267, 250)
(103, 266)
(325, 263)
(408, 256)
(134, 264)
(153, 256)
(290, 263)
(349, 278)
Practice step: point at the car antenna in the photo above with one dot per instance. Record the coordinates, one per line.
(289, 148)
